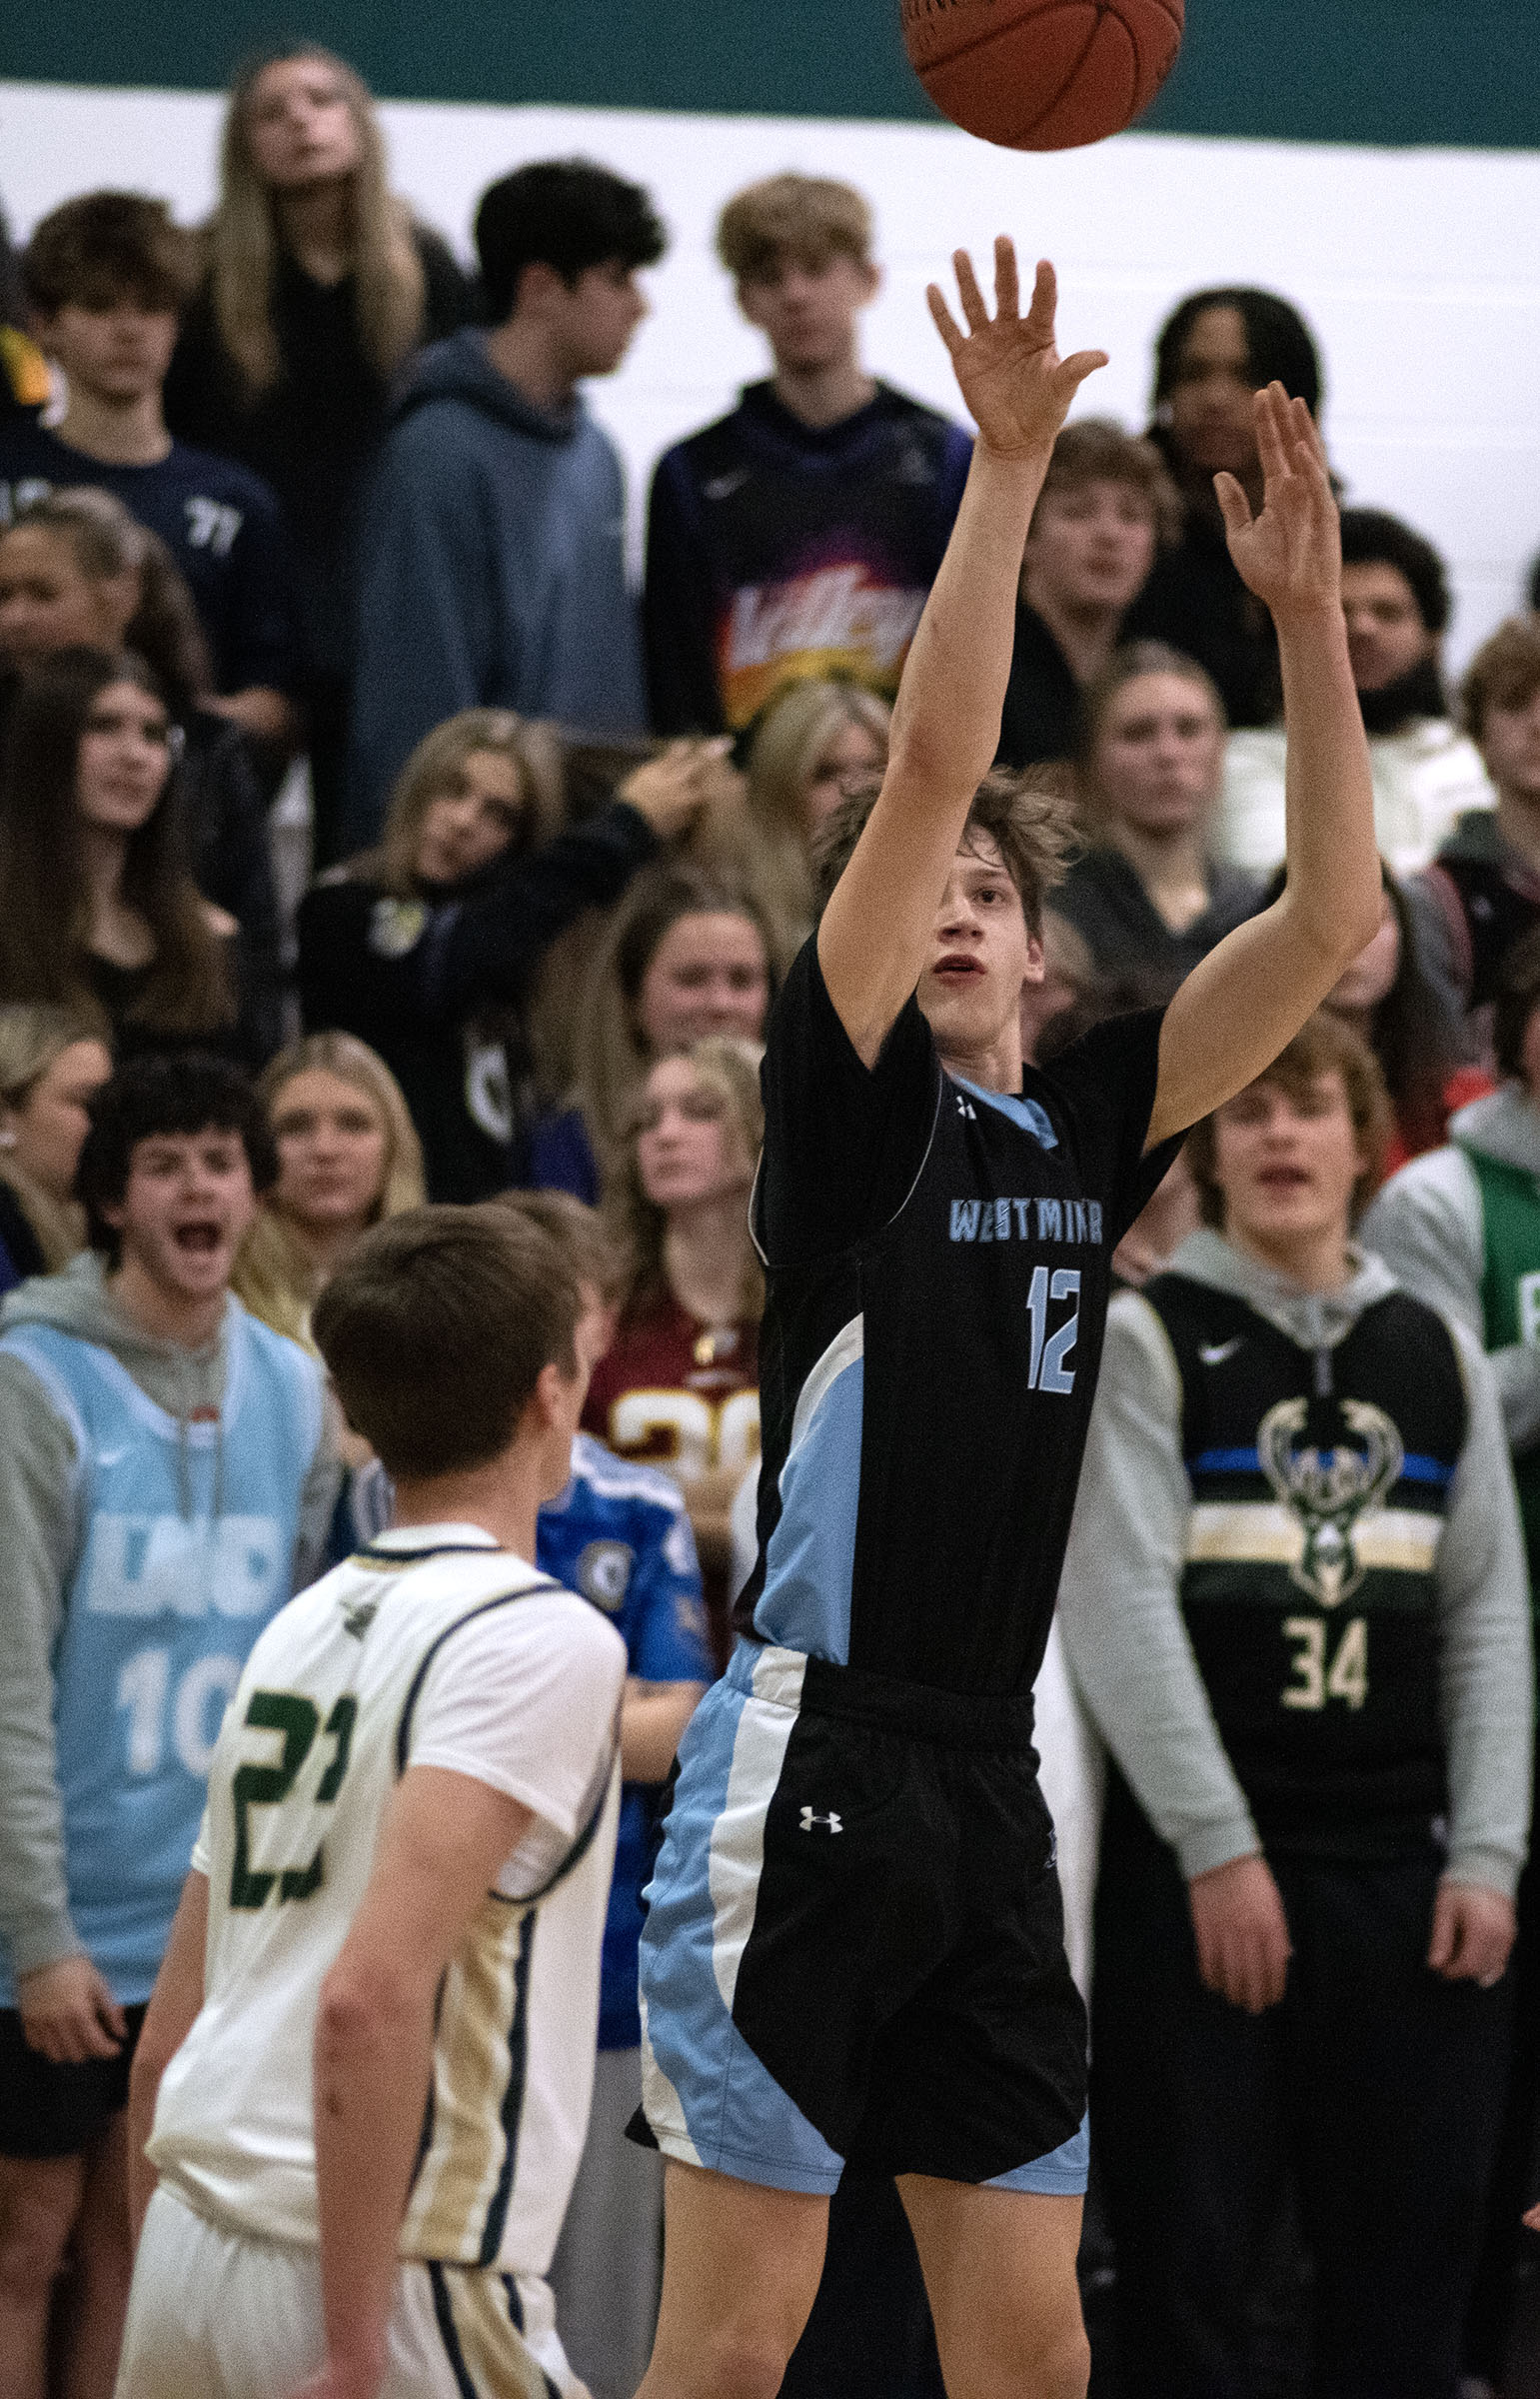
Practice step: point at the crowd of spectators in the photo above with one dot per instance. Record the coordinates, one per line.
(293, 487)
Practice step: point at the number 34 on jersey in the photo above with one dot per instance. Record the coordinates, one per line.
(1322, 1672)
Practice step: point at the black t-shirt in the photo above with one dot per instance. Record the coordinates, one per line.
(221, 526)
(1195, 601)
(313, 434)
(438, 985)
(1041, 711)
(938, 1264)
(1104, 899)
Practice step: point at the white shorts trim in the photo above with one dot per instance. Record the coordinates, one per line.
(214, 2316)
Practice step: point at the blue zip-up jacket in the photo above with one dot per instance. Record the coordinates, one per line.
(492, 570)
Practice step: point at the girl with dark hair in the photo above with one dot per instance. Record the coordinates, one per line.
(76, 569)
(102, 912)
(320, 284)
(1216, 350)
(428, 945)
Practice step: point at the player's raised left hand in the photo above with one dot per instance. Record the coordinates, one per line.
(1473, 1930)
(1007, 366)
(1291, 553)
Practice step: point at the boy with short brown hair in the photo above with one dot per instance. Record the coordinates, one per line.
(799, 535)
(1106, 506)
(399, 1888)
(1294, 1602)
(107, 277)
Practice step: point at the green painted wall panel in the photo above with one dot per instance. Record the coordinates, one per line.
(1461, 71)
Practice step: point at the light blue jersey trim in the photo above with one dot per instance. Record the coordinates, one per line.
(710, 2101)
(39, 1362)
(1061, 2174)
(1027, 1115)
(809, 1565)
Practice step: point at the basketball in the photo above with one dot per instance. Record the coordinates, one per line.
(1042, 74)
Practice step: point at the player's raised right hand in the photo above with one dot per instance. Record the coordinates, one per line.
(1242, 1933)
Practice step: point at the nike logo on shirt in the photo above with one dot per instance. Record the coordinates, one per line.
(1215, 1353)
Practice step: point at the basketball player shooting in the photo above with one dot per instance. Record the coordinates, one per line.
(854, 1950)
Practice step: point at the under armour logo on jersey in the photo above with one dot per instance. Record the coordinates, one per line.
(830, 1822)
(358, 1616)
(965, 1109)
(1215, 1353)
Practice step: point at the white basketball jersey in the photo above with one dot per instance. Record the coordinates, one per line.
(431, 1646)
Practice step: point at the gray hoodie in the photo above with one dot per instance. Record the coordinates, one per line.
(40, 1538)
(1119, 1599)
(492, 570)
(1427, 1226)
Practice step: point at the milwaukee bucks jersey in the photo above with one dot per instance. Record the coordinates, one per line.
(1319, 1484)
(431, 1647)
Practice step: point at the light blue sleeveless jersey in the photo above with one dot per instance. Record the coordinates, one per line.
(187, 1545)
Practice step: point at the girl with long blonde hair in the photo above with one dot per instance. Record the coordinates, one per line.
(685, 956)
(428, 945)
(348, 1158)
(51, 1060)
(814, 740)
(679, 1386)
(319, 285)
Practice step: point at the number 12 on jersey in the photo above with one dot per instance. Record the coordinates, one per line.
(1048, 1372)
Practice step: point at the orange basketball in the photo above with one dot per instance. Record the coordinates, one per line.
(1042, 74)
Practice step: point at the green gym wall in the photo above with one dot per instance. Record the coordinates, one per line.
(1447, 72)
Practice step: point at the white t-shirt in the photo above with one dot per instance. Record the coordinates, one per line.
(1425, 777)
(431, 1647)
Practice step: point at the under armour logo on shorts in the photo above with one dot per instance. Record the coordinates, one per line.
(829, 1822)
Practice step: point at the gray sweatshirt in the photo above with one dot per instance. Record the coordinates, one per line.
(1427, 1226)
(1119, 1599)
(40, 1538)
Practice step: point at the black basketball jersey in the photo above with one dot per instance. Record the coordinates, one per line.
(1319, 1484)
(937, 1258)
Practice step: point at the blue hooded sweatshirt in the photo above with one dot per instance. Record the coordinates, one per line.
(492, 570)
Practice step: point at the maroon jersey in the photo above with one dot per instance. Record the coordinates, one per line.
(681, 1394)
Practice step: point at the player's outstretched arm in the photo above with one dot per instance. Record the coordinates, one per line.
(946, 725)
(169, 2018)
(442, 1841)
(1250, 996)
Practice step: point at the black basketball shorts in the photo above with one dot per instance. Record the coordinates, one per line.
(854, 1948)
(47, 2110)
